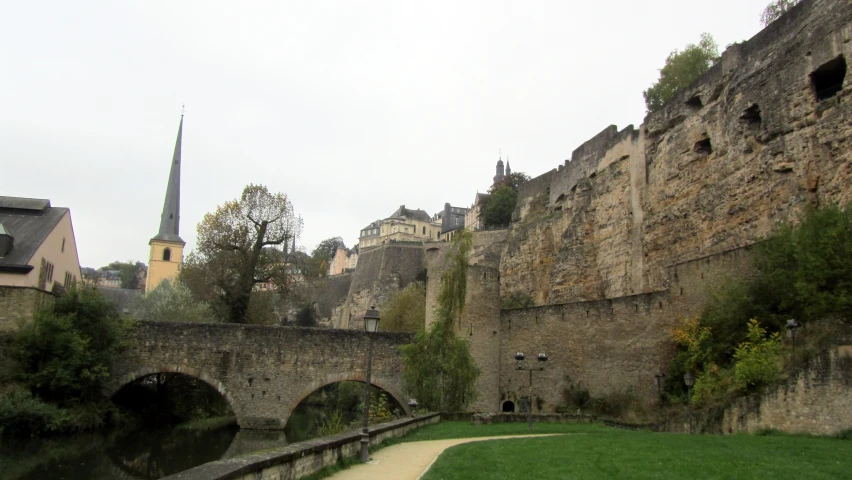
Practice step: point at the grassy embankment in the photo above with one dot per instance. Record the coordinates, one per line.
(597, 451)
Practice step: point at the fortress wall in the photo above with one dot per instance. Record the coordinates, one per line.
(743, 148)
(330, 296)
(608, 345)
(587, 243)
(381, 271)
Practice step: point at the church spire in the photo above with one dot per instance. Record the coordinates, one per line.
(170, 220)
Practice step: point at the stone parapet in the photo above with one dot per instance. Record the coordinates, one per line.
(304, 458)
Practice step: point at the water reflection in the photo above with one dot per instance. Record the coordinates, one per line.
(142, 455)
(146, 454)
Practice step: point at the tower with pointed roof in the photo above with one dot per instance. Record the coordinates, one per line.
(166, 254)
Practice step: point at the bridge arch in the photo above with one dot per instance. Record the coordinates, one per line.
(116, 384)
(346, 377)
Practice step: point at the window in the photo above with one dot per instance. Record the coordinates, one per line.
(69, 280)
(63, 245)
(827, 80)
(167, 255)
(424, 230)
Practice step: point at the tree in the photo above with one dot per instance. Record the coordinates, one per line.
(172, 303)
(681, 69)
(514, 180)
(128, 272)
(775, 9)
(437, 366)
(64, 355)
(406, 309)
(498, 210)
(241, 244)
(328, 248)
(306, 316)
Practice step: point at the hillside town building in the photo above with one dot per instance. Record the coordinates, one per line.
(38, 257)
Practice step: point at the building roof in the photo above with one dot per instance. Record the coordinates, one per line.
(170, 219)
(417, 214)
(29, 221)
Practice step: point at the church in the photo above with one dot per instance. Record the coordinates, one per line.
(166, 253)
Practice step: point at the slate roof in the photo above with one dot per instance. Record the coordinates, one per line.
(170, 219)
(29, 221)
(412, 214)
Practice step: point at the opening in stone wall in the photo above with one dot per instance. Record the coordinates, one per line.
(509, 406)
(751, 118)
(703, 147)
(694, 103)
(827, 80)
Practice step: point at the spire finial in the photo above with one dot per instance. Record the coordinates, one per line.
(182, 107)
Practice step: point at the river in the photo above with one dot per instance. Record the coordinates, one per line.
(147, 453)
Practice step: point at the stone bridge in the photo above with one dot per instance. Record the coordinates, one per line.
(263, 372)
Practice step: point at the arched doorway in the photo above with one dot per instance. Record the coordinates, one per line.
(509, 406)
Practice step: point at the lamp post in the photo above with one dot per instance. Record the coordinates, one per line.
(658, 379)
(520, 359)
(792, 326)
(689, 380)
(412, 404)
(371, 326)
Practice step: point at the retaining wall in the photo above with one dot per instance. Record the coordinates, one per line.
(301, 459)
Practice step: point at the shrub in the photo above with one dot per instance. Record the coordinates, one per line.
(406, 309)
(22, 414)
(172, 303)
(757, 360)
(516, 300)
(332, 424)
(306, 316)
(63, 356)
(575, 395)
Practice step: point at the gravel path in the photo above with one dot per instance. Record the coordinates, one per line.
(408, 461)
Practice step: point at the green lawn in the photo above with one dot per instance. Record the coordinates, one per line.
(595, 451)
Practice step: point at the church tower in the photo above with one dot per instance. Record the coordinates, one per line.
(499, 177)
(166, 254)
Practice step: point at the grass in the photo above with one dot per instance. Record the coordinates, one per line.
(611, 453)
(212, 423)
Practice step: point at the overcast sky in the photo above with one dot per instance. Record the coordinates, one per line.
(351, 108)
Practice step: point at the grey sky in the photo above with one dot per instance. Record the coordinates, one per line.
(351, 108)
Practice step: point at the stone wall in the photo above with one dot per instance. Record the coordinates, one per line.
(19, 304)
(743, 148)
(817, 401)
(329, 297)
(263, 372)
(301, 459)
(381, 271)
(608, 345)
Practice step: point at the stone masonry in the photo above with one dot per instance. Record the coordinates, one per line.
(263, 372)
(19, 304)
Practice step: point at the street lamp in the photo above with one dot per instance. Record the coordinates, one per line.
(412, 404)
(689, 380)
(519, 357)
(371, 325)
(658, 379)
(792, 326)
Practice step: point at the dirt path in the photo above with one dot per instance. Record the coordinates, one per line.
(408, 461)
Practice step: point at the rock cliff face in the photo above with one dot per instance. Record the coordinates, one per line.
(748, 145)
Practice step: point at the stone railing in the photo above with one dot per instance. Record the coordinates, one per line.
(301, 459)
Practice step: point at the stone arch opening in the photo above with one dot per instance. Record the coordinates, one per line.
(167, 254)
(115, 387)
(338, 403)
(508, 406)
